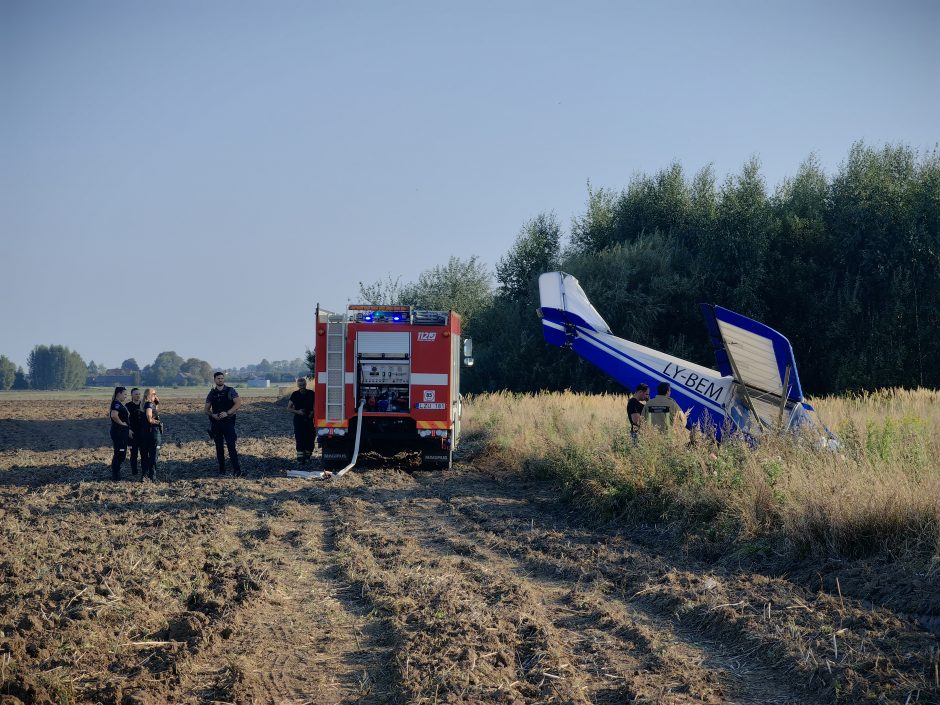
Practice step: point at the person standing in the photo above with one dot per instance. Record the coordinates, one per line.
(133, 409)
(301, 406)
(662, 411)
(635, 409)
(151, 435)
(119, 429)
(222, 404)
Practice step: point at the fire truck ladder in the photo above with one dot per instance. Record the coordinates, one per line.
(335, 368)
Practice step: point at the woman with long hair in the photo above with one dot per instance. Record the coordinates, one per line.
(150, 434)
(119, 427)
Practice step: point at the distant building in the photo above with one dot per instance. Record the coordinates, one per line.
(260, 383)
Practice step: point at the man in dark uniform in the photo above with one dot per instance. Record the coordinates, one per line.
(133, 408)
(221, 406)
(635, 409)
(301, 406)
(119, 428)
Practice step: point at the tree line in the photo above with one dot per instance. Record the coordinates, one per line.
(846, 266)
(58, 367)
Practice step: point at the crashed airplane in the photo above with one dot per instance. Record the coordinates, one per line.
(755, 389)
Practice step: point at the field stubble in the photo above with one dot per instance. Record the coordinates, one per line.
(471, 586)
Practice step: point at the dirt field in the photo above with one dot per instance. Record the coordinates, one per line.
(390, 586)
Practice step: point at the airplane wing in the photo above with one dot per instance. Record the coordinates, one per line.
(761, 361)
(755, 354)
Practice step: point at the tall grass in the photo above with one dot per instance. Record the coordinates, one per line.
(879, 493)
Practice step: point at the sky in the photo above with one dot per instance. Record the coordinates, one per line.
(197, 176)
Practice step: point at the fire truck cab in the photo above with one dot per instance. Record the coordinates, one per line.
(402, 366)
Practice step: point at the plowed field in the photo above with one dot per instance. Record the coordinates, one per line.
(389, 585)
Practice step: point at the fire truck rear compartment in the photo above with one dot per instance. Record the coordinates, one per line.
(388, 436)
(401, 367)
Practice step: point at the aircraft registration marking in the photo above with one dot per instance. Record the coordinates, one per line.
(701, 384)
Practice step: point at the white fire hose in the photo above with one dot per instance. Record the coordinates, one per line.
(326, 474)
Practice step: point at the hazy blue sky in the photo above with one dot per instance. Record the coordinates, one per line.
(195, 176)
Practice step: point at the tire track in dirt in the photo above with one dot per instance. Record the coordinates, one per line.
(807, 647)
(618, 652)
(461, 634)
(302, 638)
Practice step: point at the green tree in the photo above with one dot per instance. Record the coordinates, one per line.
(736, 248)
(310, 362)
(20, 381)
(594, 230)
(7, 372)
(884, 213)
(534, 252)
(385, 292)
(56, 367)
(800, 276)
(460, 285)
(197, 371)
(130, 364)
(164, 369)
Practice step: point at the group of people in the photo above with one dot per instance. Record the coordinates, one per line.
(136, 425)
(661, 412)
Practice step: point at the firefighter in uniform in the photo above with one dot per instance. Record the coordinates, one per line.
(221, 406)
(662, 412)
(301, 406)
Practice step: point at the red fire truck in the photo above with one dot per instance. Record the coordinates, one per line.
(402, 366)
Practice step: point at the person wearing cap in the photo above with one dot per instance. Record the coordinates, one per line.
(222, 404)
(301, 406)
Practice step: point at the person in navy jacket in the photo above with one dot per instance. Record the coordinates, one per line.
(119, 428)
(222, 404)
(150, 435)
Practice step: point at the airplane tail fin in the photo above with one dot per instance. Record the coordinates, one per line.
(564, 304)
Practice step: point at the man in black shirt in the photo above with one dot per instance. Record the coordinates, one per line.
(221, 405)
(301, 406)
(133, 408)
(635, 409)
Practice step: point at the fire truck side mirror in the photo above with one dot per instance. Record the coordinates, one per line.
(467, 352)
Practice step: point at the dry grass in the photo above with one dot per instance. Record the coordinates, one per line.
(879, 494)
